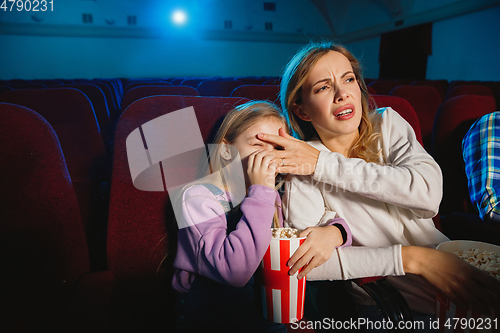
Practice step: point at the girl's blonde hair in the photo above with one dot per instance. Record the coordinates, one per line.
(237, 121)
(293, 79)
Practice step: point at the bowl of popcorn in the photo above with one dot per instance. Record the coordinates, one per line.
(483, 256)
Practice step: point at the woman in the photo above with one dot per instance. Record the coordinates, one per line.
(368, 167)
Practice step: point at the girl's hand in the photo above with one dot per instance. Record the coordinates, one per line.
(316, 249)
(462, 283)
(297, 157)
(261, 168)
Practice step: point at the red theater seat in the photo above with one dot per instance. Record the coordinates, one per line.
(219, 88)
(402, 107)
(45, 276)
(383, 87)
(273, 81)
(177, 81)
(453, 120)
(141, 224)
(135, 84)
(71, 115)
(111, 98)
(98, 100)
(440, 85)
(27, 85)
(425, 100)
(258, 92)
(5, 88)
(137, 93)
(469, 89)
(252, 80)
(192, 82)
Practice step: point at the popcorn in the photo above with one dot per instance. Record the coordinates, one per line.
(284, 232)
(484, 260)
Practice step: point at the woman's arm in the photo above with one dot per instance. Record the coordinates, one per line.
(226, 258)
(303, 207)
(411, 179)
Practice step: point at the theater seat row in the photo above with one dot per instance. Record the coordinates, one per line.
(127, 243)
(45, 236)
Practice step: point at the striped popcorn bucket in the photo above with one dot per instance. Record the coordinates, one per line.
(282, 294)
(454, 319)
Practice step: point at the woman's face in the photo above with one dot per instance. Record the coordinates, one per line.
(331, 98)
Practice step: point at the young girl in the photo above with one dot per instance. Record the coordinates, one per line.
(366, 165)
(221, 249)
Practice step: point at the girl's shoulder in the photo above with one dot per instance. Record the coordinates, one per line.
(202, 189)
(206, 191)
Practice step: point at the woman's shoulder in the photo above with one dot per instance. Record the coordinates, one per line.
(388, 118)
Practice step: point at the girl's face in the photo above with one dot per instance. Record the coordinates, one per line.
(331, 98)
(247, 142)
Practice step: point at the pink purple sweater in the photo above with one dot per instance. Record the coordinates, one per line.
(207, 248)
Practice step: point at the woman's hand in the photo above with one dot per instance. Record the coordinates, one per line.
(316, 249)
(462, 283)
(297, 157)
(262, 168)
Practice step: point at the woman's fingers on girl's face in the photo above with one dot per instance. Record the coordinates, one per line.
(284, 134)
(274, 139)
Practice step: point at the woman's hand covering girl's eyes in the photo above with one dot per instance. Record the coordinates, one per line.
(295, 156)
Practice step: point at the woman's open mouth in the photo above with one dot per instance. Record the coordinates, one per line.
(345, 113)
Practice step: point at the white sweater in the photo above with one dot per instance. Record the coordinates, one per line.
(386, 206)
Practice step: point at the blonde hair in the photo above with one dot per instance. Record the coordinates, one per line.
(293, 79)
(237, 121)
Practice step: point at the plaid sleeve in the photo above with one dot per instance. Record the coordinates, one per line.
(481, 153)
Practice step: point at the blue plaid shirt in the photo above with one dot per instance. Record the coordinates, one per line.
(481, 152)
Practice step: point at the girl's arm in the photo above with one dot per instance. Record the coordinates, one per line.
(411, 179)
(226, 258)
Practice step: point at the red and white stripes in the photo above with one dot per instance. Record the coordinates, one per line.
(282, 295)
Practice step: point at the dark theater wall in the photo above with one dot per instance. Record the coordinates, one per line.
(57, 44)
(466, 47)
